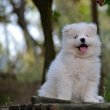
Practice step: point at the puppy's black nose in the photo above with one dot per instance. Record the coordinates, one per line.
(82, 40)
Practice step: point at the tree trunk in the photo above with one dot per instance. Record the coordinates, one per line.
(19, 10)
(95, 20)
(95, 14)
(44, 7)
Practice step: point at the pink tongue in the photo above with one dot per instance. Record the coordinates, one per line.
(83, 49)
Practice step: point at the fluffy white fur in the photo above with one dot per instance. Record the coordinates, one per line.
(75, 75)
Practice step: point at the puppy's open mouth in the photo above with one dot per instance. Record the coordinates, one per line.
(83, 48)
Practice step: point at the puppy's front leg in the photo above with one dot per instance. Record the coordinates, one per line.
(65, 89)
(91, 93)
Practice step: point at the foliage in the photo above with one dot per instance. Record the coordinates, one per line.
(107, 88)
(29, 68)
(107, 2)
(70, 12)
(5, 100)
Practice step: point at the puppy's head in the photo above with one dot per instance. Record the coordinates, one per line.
(81, 39)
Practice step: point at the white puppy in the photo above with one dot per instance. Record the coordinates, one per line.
(75, 72)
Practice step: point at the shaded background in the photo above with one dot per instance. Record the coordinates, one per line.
(30, 37)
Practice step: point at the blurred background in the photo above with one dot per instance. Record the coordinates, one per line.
(30, 37)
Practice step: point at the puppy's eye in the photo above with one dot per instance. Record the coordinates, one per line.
(87, 35)
(75, 37)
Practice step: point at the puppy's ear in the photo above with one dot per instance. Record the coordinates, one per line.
(66, 28)
(93, 27)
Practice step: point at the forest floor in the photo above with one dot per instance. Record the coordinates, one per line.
(15, 92)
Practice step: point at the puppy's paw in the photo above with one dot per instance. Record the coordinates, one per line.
(91, 99)
(100, 98)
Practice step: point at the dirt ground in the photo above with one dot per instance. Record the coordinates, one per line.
(14, 92)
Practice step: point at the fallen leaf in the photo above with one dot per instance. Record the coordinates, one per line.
(100, 2)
